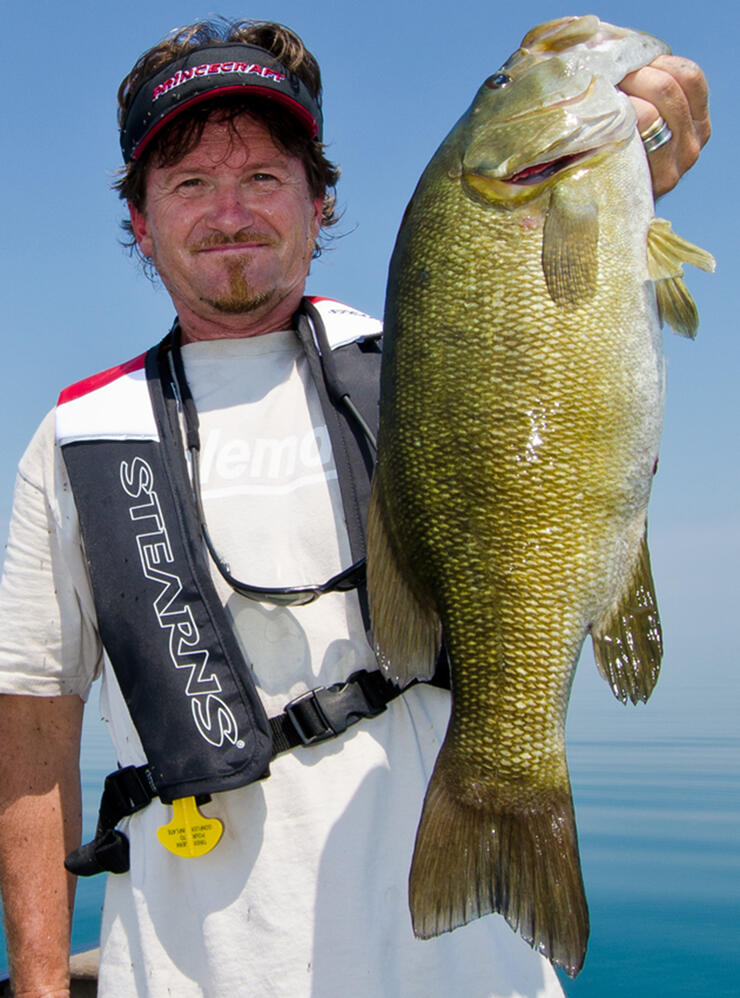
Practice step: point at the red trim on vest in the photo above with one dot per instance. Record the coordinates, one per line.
(90, 384)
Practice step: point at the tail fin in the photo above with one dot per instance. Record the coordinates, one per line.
(514, 853)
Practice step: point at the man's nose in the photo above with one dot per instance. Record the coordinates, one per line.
(230, 209)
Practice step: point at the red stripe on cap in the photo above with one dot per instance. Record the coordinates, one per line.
(246, 89)
(87, 385)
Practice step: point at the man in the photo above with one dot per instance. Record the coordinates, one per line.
(237, 427)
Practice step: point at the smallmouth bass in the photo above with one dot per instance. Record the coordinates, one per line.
(521, 412)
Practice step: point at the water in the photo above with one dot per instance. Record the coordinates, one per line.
(658, 833)
(658, 829)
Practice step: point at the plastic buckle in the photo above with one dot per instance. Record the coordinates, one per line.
(127, 791)
(328, 711)
(308, 700)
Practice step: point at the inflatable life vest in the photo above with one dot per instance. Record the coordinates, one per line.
(164, 629)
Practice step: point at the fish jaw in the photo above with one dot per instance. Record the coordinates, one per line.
(592, 120)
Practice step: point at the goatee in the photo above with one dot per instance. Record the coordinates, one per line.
(241, 298)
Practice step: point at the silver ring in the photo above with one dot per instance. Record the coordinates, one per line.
(657, 135)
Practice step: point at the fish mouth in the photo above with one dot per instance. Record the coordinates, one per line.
(537, 174)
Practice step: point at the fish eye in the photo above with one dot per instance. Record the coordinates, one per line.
(497, 81)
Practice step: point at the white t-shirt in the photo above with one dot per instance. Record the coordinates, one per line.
(305, 895)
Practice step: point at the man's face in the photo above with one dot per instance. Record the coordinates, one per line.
(231, 228)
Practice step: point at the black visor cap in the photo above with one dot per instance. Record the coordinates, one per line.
(210, 72)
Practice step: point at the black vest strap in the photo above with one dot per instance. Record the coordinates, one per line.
(353, 371)
(315, 716)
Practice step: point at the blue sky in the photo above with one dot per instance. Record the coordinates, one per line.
(396, 78)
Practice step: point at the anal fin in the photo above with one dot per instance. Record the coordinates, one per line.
(628, 642)
(407, 634)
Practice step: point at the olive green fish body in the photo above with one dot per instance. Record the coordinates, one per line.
(521, 410)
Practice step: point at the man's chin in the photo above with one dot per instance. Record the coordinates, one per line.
(242, 301)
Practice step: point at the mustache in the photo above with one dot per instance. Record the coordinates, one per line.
(242, 236)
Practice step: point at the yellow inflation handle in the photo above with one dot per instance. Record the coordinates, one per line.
(190, 833)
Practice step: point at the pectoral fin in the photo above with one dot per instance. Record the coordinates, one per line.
(628, 643)
(666, 254)
(569, 248)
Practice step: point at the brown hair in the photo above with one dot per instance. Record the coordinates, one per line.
(180, 137)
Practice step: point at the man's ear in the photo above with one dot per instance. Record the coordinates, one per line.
(318, 212)
(140, 229)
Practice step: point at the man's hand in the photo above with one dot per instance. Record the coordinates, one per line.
(676, 90)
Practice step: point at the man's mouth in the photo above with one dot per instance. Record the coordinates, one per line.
(239, 241)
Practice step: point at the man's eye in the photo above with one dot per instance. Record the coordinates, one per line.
(189, 185)
(265, 178)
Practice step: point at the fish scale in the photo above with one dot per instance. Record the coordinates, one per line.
(521, 411)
